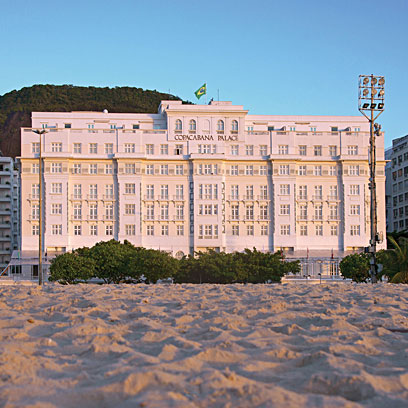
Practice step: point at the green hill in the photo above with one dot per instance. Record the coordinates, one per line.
(16, 106)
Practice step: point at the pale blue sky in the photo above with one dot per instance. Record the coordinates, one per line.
(273, 57)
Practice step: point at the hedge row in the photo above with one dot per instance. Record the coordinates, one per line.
(114, 262)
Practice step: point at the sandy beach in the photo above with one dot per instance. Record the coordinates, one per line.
(298, 345)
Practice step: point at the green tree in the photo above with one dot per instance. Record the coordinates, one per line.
(356, 267)
(71, 268)
(395, 261)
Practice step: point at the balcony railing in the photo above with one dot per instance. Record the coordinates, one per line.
(178, 197)
(318, 197)
(109, 197)
(302, 197)
(92, 196)
(76, 196)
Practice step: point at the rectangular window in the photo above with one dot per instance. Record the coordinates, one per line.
(263, 212)
(35, 168)
(284, 189)
(77, 212)
(284, 169)
(149, 149)
(56, 188)
(332, 171)
(77, 230)
(109, 191)
(264, 192)
(318, 212)
(179, 212)
(250, 230)
(249, 212)
(93, 211)
(35, 148)
(302, 170)
(235, 230)
(57, 147)
(93, 148)
(234, 192)
(354, 209)
(130, 209)
(303, 192)
(93, 169)
(283, 149)
(164, 212)
(303, 230)
(302, 150)
(164, 191)
(108, 148)
(264, 230)
(249, 150)
(285, 229)
(130, 229)
(249, 192)
(333, 230)
(318, 193)
(164, 149)
(284, 209)
(235, 212)
(93, 191)
(56, 209)
(352, 150)
(317, 150)
(56, 168)
(108, 169)
(67, 125)
(317, 170)
(234, 170)
(35, 230)
(180, 230)
(179, 192)
(93, 230)
(150, 169)
(150, 230)
(319, 230)
(130, 168)
(150, 191)
(77, 168)
(263, 150)
(164, 169)
(179, 169)
(130, 188)
(178, 150)
(78, 148)
(249, 170)
(56, 229)
(354, 170)
(333, 151)
(234, 150)
(165, 230)
(333, 193)
(263, 170)
(129, 147)
(354, 230)
(354, 189)
(109, 230)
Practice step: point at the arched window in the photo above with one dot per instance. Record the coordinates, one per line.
(234, 125)
(220, 125)
(193, 125)
(179, 125)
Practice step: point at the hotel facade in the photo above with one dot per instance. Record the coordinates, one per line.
(194, 177)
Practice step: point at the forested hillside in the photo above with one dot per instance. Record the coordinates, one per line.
(16, 106)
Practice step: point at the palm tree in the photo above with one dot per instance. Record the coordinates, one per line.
(396, 261)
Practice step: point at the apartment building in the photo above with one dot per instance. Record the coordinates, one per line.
(194, 177)
(9, 210)
(397, 185)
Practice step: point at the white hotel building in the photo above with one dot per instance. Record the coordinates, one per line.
(193, 177)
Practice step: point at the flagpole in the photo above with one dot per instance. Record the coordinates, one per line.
(205, 92)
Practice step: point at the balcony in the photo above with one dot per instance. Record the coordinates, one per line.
(233, 198)
(301, 218)
(34, 217)
(178, 218)
(5, 225)
(92, 217)
(91, 197)
(301, 198)
(30, 197)
(76, 197)
(108, 197)
(317, 197)
(149, 197)
(263, 198)
(248, 197)
(335, 217)
(318, 218)
(163, 198)
(178, 198)
(108, 217)
(333, 198)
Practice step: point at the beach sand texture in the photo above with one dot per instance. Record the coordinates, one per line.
(297, 345)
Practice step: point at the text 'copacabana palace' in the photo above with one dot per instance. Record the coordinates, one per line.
(194, 177)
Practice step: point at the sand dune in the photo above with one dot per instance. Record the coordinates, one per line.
(339, 345)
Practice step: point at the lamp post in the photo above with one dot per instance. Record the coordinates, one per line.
(371, 105)
(40, 248)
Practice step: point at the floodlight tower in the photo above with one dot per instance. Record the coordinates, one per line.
(371, 105)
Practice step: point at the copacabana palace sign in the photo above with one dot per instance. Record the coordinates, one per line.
(209, 138)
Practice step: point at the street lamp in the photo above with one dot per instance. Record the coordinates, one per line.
(371, 105)
(40, 246)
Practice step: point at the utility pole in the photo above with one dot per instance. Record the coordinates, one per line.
(371, 99)
(40, 204)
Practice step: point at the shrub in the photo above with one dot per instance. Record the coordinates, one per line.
(71, 268)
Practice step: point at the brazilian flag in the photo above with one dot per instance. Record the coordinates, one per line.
(201, 91)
